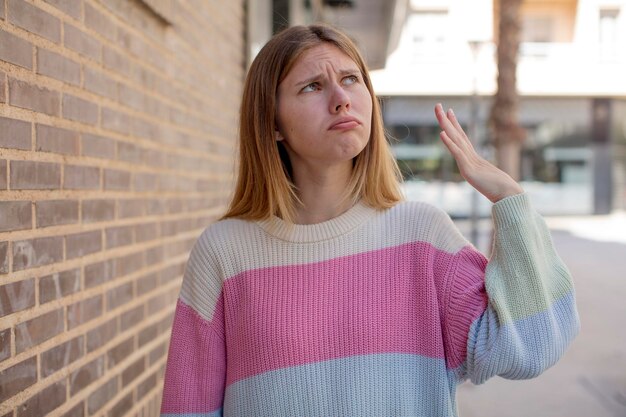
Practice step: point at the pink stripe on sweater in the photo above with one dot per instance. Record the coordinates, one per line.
(196, 363)
(384, 301)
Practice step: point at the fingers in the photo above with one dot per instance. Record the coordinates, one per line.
(449, 123)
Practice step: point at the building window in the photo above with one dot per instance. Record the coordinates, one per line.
(608, 33)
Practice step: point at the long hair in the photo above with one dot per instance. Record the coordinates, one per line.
(264, 184)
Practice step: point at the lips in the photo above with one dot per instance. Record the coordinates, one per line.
(344, 123)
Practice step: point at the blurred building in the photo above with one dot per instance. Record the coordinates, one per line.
(572, 83)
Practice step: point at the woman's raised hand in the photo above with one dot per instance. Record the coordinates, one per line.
(485, 177)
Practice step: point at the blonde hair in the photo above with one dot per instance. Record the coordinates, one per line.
(264, 185)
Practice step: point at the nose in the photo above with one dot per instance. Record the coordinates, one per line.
(339, 100)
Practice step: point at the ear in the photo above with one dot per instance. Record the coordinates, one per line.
(279, 137)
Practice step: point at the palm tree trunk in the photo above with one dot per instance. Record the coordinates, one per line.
(506, 133)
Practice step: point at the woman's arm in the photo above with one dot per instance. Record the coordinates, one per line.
(515, 315)
(196, 365)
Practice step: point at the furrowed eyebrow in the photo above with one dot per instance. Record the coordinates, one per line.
(342, 73)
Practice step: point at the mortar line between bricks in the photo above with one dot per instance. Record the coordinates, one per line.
(168, 288)
(70, 229)
(93, 258)
(65, 372)
(38, 41)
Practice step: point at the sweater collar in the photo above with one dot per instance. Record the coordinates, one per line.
(307, 233)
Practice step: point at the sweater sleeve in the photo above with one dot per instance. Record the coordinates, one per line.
(195, 373)
(515, 314)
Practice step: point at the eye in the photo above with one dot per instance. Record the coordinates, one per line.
(311, 87)
(351, 79)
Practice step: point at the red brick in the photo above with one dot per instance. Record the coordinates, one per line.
(77, 411)
(3, 174)
(148, 334)
(79, 41)
(15, 50)
(57, 66)
(99, 273)
(5, 346)
(29, 96)
(101, 335)
(154, 255)
(149, 130)
(44, 401)
(38, 330)
(99, 83)
(17, 378)
(34, 20)
(131, 318)
(87, 374)
(172, 272)
(157, 303)
(58, 285)
(56, 212)
(174, 205)
(114, 179)
(100, 22)
(120, 352)
(98, 146)
(121, 408)
(98, 210)
(130, 208)
(129, 152)
(146, 385)
(115, 120)
(84, 311)
(128, 264)
(81, 177)
(17, 296)
(118, 63)
(4, 257)
(146, 231)
(75, 108)
(155, 207)
(157, 353)
(119, 236)
(32, 175)
(119, 295)
(133, 371)
(60, 356)
(81, 244)
(147, 283)
(15, 134)
(54, 139)
(143, 181)
(37, 252)
(70, 7)
(15, 215)
(102, 395)
(170, 228)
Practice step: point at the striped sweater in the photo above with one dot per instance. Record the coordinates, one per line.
(372, 313)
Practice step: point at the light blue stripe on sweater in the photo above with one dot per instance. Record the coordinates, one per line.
(393, 384)
(524, 348)
(217, 413)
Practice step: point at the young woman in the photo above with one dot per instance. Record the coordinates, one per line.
(322, 293)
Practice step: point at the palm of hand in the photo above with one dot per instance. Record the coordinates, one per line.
(485, 177)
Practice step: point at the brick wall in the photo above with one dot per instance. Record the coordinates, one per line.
(117, 136)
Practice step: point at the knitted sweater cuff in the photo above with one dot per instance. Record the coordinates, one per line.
(511, 210)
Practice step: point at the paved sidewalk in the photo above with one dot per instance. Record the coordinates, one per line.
(590, 379)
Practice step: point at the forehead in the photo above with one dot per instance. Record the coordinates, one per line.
(321, 57)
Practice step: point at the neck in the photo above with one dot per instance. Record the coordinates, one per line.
(321, 192)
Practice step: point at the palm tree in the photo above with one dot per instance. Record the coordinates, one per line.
(505, 129)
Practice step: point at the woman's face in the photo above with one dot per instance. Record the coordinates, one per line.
(324, 109)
